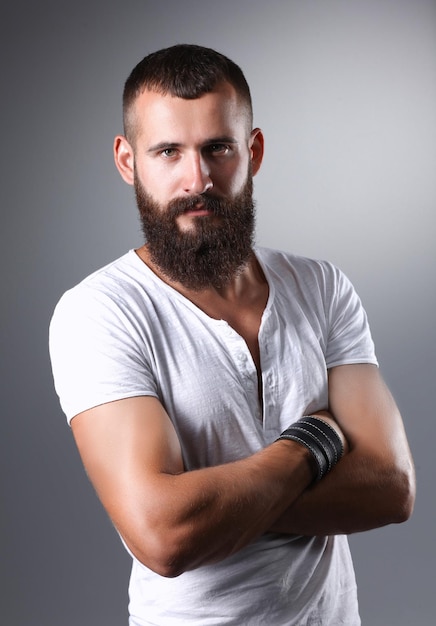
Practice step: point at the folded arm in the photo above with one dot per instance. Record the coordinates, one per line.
(374, 483)
(174, 520)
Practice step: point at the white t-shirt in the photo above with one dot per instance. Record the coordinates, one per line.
(122, 332)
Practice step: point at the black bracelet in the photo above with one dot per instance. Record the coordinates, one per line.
(324, 442)
(320, 438)
(329, 432)
(306, 439)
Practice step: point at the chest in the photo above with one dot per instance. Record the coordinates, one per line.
(243, 316)
(209, 383)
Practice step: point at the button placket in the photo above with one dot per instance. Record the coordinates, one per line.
(269, 369)
(244, 363)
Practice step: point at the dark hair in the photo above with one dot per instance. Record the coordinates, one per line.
(185, 71)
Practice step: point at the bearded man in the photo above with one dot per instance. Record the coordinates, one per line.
(225, 398)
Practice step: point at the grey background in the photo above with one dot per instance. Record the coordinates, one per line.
(345, 92)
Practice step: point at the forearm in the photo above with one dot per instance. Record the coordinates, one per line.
(205, 515)
(374, 483)
(174, 520)
(224, 508)
(362, 492)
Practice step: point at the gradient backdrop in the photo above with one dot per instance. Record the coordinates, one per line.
(345, 92)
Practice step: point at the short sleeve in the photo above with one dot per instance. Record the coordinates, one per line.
(97, 352)
(349, 337)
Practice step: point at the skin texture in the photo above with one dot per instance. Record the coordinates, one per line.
(374, 484)
(174, 520)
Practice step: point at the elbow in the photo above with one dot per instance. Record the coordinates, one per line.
(405, 493)
(409, 495)
(163, 553)
(166, 568)
(169, 563)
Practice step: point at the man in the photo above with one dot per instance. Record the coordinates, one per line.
(225, 399)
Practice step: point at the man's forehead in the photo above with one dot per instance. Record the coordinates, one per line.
(222, 106)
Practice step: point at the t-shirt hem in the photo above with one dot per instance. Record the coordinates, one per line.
(356, 361)
(113, 398)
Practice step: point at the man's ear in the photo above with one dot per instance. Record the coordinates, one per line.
(256, 148)
(124, 158)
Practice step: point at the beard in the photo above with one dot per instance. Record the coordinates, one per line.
(213, 251)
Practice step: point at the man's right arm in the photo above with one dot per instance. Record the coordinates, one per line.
(172, 520)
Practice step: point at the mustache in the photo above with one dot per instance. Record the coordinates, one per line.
(216, 205)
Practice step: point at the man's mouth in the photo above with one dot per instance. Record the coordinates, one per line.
(199, 210)
(200, 206)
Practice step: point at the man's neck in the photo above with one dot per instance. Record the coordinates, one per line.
(241, 303)
(242, 288)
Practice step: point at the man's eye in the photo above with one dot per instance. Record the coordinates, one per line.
(218, 148)
(169, 152)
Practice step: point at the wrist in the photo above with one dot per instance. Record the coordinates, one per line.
(321, 440)
(299, 458)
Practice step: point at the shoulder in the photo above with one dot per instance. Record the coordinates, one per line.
(280, 258)
(118, 286)
(104, 305)
(304, 272)
(98, 338)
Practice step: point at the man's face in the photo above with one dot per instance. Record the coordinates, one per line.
(192, 174)
(187, 147)
(213, 250)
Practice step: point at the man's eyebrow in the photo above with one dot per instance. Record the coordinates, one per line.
(170, 145)
(223, 139)
(163, 145)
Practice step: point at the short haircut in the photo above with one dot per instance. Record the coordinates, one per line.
(185, 71)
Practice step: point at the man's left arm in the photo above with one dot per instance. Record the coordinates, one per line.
(374, 483)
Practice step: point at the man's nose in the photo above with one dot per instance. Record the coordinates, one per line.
(197, 178)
